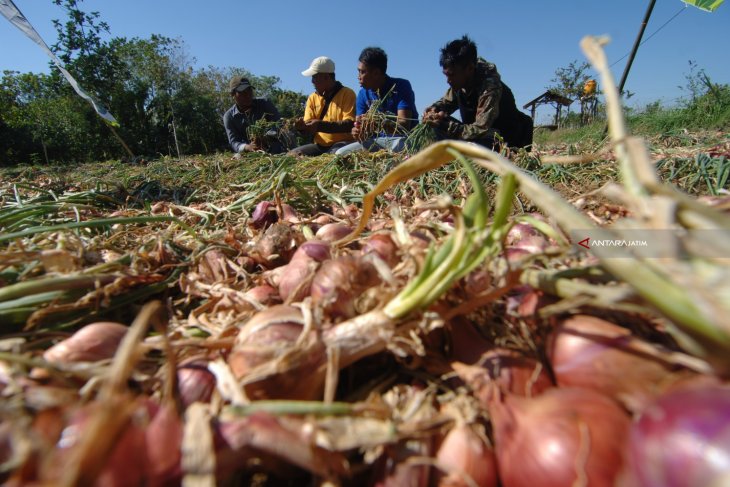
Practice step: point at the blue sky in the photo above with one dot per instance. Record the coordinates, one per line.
(527, 40)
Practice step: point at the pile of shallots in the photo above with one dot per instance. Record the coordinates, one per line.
(278, 367)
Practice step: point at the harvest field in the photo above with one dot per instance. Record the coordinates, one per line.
(376, 319)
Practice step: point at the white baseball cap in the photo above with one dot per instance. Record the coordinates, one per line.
(322, 64)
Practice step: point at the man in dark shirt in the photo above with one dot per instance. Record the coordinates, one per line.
(487, 105)
(243, 114)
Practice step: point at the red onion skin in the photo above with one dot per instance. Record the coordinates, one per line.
(293, 277)
(262, 346)
(521, 231)
(93, 342)
(463, 450)
(316, 250)
(125, 464)
(383, 246)
(339, 282)
(586, 351)
(264, 294)
(195, 383)
(564, 437)
(264, 215)
(266, 337)
(289, 214)
(332, 232)
(682, 439)
(164, 442)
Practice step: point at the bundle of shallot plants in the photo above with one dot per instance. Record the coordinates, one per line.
(285, 351)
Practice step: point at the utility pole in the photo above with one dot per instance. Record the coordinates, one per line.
(637, 43)
(636, 47)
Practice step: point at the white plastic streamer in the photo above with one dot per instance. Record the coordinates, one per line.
(13, 14)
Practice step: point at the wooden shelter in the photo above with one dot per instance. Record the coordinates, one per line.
(549, 98)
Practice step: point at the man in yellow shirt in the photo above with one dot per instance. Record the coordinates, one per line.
(330, 111)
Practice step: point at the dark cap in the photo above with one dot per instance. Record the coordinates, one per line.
(239, 84)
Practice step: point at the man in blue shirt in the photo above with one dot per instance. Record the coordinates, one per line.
(385, 106)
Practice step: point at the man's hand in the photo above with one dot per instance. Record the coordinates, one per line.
(358, 130)
(249, 147)
(433, 118)
(307, 126)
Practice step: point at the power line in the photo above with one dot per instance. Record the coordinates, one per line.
(652, 34)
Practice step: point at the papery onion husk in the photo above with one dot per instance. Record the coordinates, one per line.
(339, 282)
(586, 351)
(464, 452)
(520, 231)
(93, 342)
(395, 468)
(563, 437)
(682, 439)
(238, 440)
(510, 370)
(276, 246)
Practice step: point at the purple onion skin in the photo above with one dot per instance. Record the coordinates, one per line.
(682, 439)
(264, 215)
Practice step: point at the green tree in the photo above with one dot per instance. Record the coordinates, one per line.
(569, 80)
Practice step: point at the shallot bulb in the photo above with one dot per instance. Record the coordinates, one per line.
(383, 246)
(589, 352)
(565, 436)
(682, 439)
(264, 215)
(276, 246)
(289, 214)
(93, 342)
(264, 294)
(339, 282)
(333, 231)
(315, 250)
(294, 279)
(464, 453)
(269, 337)
(195, 383)
(164, 437)
(264, 336)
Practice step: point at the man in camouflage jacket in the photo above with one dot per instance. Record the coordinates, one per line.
(487, 105)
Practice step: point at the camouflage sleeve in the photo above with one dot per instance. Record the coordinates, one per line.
(447, 103)
(487, 112)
